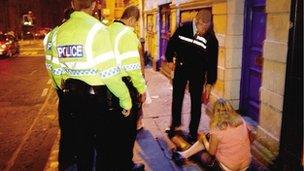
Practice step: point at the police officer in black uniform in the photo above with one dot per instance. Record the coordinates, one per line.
(195, 48)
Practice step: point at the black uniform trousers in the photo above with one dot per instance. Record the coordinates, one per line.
(122, 132)
(131, 121)
(182, 75)
(98, 127)
(88, 111)
(94, 123)
(66, 156)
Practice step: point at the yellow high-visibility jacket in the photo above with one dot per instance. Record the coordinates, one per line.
(83, 50)
(125, 44)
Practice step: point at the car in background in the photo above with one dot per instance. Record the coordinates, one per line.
(41, 32)
(9, 45)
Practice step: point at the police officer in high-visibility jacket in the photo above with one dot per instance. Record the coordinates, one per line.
(126, 49)
(66, 144)
(92, 86)
(66, 155)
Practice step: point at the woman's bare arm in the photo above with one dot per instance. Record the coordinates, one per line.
(210, 145)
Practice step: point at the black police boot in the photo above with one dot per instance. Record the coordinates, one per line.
(172, 131)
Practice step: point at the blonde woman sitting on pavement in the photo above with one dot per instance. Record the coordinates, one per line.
(227, 143)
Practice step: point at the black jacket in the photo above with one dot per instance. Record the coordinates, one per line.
(194, 53)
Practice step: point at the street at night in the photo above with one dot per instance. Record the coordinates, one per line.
(30, 136)
(28, 125)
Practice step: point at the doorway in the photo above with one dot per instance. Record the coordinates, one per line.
(252, 62)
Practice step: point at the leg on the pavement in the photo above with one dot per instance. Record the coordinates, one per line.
(179, 85)
(128, 128)
(114, 140)
(127, 140)
(196, 88)
(66, 156)
(112, 144)
(84, 135)
(106, 135)
(84, 150)
(131, 126)
(105, 145)
(195, 148)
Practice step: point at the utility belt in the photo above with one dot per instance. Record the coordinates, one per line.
(82, 88)
(78, 88)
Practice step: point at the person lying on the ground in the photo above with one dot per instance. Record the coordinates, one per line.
(227, 146)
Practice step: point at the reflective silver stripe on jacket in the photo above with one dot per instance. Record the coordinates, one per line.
(73, 72)
(131, 67)
(195, 41)
(116, 46)
(84, 72)
(201, 39)
(89, 42)
(129, 54)
(48, 67)
(110, 72)
(48, 57)
(58, 71)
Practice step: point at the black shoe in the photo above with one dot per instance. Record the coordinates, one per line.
(178, 158)
(171, 131)
(138, 167)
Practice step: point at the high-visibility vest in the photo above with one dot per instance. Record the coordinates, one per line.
(125, 45)
(85, 53)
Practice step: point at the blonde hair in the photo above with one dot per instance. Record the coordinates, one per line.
(224, 115)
